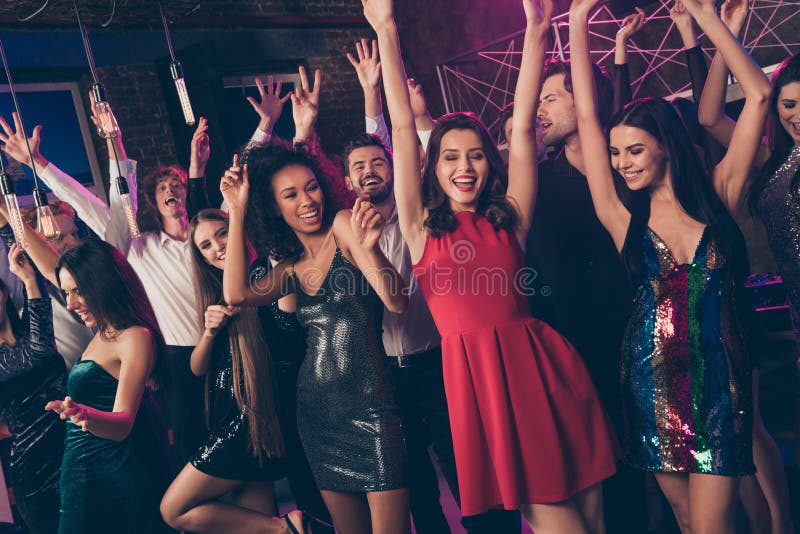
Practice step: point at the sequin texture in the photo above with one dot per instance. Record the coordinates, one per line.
(348, 421)
(779, 208)
(686, 374)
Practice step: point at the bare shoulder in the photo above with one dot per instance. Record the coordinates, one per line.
(136, 337)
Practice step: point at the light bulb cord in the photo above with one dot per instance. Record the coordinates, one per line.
(166, 31)
(86, 44)
(19, 113)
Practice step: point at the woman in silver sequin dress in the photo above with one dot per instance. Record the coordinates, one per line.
(347, 419)
(243, 453)
(773, 193)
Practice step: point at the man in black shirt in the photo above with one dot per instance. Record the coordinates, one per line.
(581, 287)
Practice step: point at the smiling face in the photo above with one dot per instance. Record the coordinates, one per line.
(789, 110)
(556, 111)
(638, 157)
(299, 198)
(211, 239)
(75, 301)
(171, 197)
(370, 173)
(462, 168)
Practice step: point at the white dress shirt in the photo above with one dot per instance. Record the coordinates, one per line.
(162, 263)
(414, 331)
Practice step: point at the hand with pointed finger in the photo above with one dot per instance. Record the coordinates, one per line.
(200, 150)
(270, 104)
(305, 105)
(235, 186)
(367, 222)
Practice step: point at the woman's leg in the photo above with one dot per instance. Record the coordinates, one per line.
(675, 487)
(755, 505)
(590, 505)
(389, 511)
(712, 503)
(256, 496)
(349, 510)
(190, 504)
(769, 470)
(555, 518)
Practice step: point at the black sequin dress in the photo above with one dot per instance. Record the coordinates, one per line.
(346, 415)
(225, 452)
(31, 374)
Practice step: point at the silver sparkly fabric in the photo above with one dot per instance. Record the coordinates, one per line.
(348, 421)
(779, 207)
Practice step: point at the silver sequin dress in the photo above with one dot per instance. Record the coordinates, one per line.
(347, 418)
(779, 207)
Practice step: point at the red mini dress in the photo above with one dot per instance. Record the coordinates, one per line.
(528, 426)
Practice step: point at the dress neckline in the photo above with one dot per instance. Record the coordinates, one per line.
(98, 366)
(697, 248)
(327, 274)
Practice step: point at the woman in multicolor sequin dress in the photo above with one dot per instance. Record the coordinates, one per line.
(686, 371)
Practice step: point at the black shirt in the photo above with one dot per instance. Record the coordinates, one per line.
(580, 280)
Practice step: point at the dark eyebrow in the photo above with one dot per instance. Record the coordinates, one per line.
(635, 145)
(788, 100)
(291, 187)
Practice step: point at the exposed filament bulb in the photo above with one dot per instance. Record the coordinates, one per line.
(183, 94)
(12, 205)
(127, 204)
(46, 223)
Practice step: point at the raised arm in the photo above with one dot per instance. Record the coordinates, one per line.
(236, 287)
(731, 174)
(360, 231)
(136, 356)
(368, 70)
(39, 250)
(522, 155)
(423, 121)
(269, 108)
(27, 353)
(609, 208)
(407, 182)
(622, 79)
(200, 152)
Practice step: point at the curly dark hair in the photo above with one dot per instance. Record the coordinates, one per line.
(269, 233)
(147, 216)
(492, 203)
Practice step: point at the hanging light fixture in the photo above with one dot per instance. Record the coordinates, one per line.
(107, 127)
(12, 205)
(177, 73)
(45, 222)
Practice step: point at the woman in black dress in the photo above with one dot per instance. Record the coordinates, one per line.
(348, 421)
(31, 373)
(243, 453)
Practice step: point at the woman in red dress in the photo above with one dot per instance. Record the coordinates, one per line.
(529, 431)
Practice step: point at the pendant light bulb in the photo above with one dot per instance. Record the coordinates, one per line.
(12, 205)
(127, 204)
(107, 126)
(46, 223)
(183, 95)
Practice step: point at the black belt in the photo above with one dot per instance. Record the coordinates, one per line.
(429, 358)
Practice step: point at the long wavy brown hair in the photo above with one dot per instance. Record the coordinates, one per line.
(253, 376)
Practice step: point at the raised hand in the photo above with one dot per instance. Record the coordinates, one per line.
(305, 105)
(270, 104)
(734, 14)
(418, 104)
(13, 140)
(101, 118)
(235, 186)
(631, 25)
(19, 266)
(76, 412)
(378, 12)
(696, 6)
(368, 64)
(680, 16)
(217, 316)
(539, 13)
(200, 150)
(367, 222)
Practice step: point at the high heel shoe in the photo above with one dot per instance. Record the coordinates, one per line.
(307, 522)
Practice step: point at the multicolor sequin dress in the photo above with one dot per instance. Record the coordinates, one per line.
(686, 374)
(779, 208)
